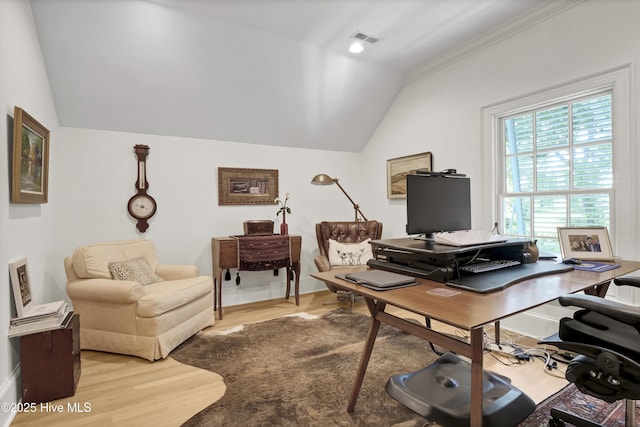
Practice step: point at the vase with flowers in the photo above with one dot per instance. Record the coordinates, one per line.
(284, 209)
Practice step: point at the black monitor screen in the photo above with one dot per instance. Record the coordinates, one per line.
(437, 203)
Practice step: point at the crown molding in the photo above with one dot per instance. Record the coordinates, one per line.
(528, 19)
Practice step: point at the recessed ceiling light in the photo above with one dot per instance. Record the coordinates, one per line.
(356, 47)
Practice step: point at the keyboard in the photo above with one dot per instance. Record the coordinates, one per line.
(482, 267)
(439, 274)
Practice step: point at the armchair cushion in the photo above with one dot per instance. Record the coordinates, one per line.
(137, 270)
(163, 297)
(341, 254)
(92, 261)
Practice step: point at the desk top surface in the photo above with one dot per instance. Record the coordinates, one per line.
(468, 310)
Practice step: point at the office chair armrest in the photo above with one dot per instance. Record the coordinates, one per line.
(631, 279)
(621, 312)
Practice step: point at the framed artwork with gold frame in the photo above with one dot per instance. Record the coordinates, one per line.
(400, 167)
(30, 159)
(237, 186)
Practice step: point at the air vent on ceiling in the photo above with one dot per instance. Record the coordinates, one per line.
(365, 38)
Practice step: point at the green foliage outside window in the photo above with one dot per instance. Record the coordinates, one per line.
(558, 169)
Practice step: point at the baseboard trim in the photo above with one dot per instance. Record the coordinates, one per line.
(10, 394)
(531, 324)
(253, 288)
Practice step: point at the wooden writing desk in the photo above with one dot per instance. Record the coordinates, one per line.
(466, 310)
(224, 254)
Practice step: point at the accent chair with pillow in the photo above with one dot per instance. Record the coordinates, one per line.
(344, 246)
(130, 304)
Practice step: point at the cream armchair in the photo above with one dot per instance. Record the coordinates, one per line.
(147, 310)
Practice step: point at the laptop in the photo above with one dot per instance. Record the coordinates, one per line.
(379, 280)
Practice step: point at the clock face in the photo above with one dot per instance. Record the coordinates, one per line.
(142, 206)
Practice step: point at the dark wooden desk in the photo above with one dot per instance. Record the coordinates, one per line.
(224, 254)
(466, 310)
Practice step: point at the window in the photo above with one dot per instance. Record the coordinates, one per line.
(557, 168)
(565, 155)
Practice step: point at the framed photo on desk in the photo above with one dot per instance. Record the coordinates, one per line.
(586, 243)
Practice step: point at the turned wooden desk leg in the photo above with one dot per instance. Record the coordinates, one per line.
(477, 374)
(289, 273)
(217, 293)
(296, 270)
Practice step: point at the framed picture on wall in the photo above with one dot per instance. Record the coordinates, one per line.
(398, 168)
(30, 159)
(238, 186)
(585, 243)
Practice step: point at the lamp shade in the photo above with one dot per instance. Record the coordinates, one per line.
(322, 179)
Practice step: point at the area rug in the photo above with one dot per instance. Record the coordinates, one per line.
(570, 399)
(294, 371)
(299, 371)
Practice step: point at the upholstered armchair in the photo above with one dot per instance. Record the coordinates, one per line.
(344, 246)
(130, 304)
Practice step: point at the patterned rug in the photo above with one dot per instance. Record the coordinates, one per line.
(571, 400)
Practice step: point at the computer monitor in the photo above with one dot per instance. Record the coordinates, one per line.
(437, 203)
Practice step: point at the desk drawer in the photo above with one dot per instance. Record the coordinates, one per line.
(228, 253)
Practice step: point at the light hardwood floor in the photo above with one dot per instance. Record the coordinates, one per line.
(128, 391)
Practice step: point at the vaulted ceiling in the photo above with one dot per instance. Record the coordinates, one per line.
(273, 72)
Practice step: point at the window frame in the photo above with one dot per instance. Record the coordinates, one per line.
(502, 192)
(624, 199)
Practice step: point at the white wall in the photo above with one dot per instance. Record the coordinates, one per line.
(442, 112)
(95, 177)
(25, 229)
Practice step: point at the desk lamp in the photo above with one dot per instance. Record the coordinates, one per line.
(324, 179)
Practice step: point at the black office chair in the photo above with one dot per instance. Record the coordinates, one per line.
(606, 336)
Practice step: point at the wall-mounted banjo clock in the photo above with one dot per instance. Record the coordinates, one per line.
(142, 206)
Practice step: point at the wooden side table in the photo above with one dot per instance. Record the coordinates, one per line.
(50, 363)
(224, 254)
